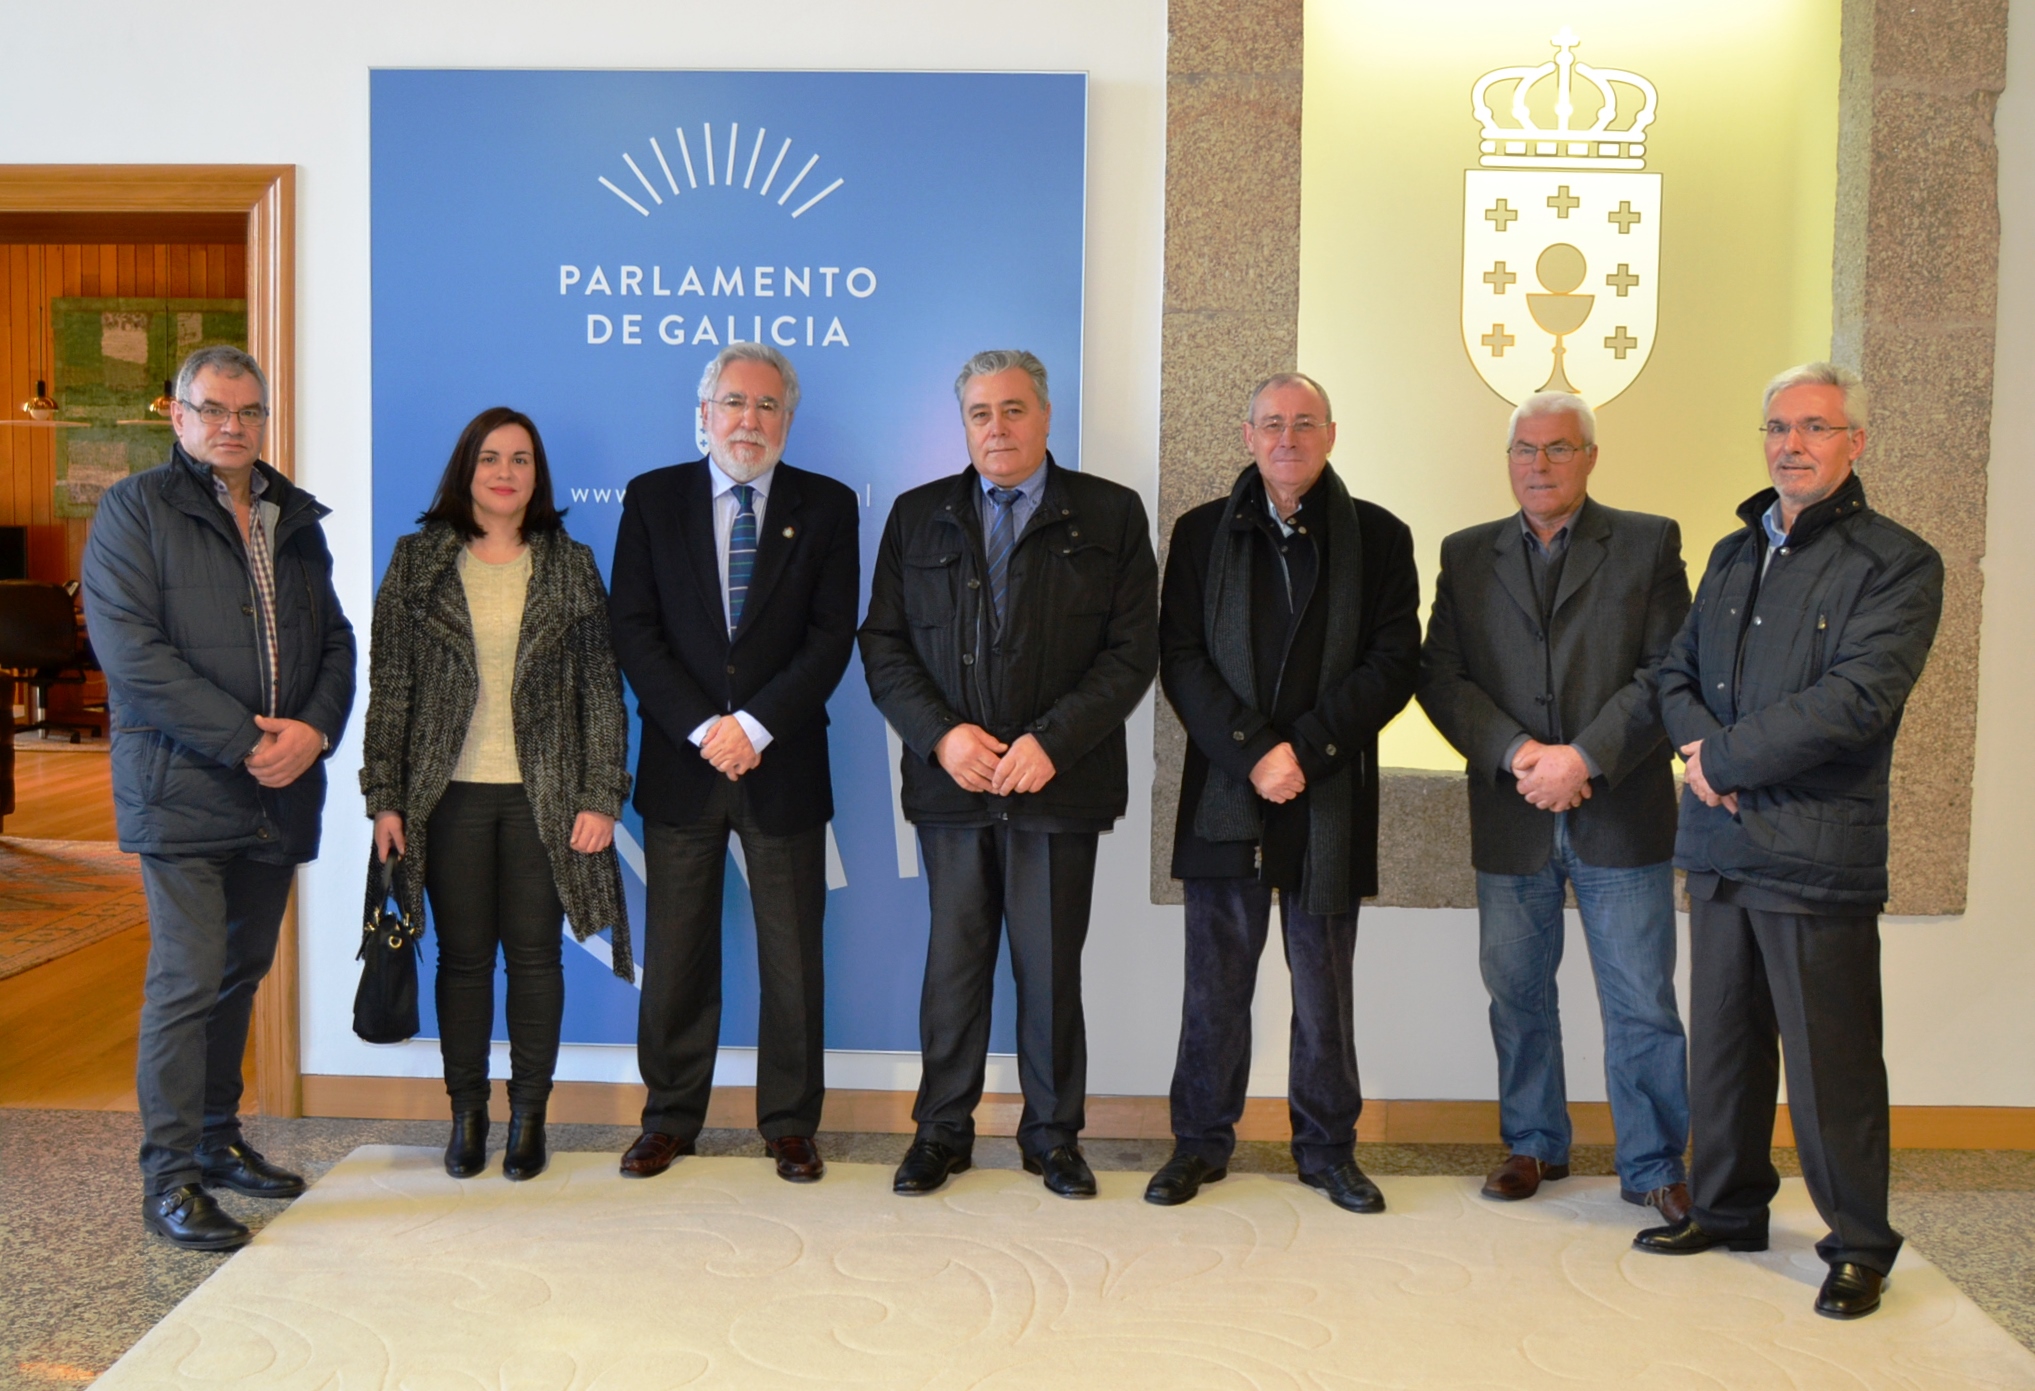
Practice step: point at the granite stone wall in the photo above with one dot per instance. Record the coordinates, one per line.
(1914, 272)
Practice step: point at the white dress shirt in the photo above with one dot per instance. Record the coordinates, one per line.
(726, 507)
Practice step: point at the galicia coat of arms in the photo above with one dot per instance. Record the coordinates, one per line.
(1561, 230)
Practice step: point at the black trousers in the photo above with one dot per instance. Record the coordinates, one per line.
(212, 925)
(1039, 884)
(491, 888)
(1226, 924)
(1813, 984)
(678, 1024)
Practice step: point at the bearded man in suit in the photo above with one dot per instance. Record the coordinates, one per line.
(735, 584)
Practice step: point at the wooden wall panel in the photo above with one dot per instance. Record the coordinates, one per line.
(32, 274)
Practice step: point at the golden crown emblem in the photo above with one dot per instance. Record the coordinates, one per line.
(1614, 138)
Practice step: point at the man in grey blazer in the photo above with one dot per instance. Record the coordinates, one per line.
(1541, 667)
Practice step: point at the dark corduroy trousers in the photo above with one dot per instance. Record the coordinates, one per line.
(1810, 984)
(1038, 884)
(491, 888)
(678, 1025)
(1227, 920)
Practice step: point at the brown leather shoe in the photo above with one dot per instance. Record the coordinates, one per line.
(652, 1154)
(1672, 1202)
(1521, 1177)
(798, 1158)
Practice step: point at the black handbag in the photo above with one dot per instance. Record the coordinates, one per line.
(385, 1005)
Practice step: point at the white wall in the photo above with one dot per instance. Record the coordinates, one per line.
(288, 84)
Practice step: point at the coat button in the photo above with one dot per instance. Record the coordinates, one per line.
(1720, 685)
(975, 584)
(1331, 750)
(247, 609)
(967, 659)
(1238, 735)
(731, 668)
(261, 833)
(1757, 620)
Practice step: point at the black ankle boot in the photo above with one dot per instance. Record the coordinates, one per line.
(525, 1157)
(466, 1153)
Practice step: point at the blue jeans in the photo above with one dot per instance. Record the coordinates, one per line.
(1629, 923)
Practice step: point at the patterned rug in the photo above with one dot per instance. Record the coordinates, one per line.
(59, 895)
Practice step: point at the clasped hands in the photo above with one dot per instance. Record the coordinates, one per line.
(981, 762)
(727, 747)
(1553, 777)
(285, 750)
(1699, 783)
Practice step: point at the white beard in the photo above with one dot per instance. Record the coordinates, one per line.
(723, 457)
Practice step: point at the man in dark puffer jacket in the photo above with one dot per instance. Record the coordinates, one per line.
(1784, 692)
(229, 670)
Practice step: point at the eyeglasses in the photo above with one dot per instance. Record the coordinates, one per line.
(1560, 452)
(735, 403)
(1814, 431)
(250, 416)
(1300, 426)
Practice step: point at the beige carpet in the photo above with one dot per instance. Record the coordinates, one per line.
(388, 1274)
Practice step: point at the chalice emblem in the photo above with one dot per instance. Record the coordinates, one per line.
(1561, 195)
(1560, 311)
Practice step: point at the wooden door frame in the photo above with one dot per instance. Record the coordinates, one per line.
(266, 195)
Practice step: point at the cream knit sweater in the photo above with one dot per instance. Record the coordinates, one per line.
(494, 599)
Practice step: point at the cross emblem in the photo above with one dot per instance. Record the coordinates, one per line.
(1624, 280)
(1563, 201)
(1498, 340)
(1498, 278)
(1624, 217)
(1621, 343)
(1501, 214)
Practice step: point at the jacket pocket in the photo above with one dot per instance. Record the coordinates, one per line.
(929, 582)
(1084, 576)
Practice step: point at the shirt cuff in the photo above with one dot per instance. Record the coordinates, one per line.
(699, 736)
(1588, 762)
(759, 737)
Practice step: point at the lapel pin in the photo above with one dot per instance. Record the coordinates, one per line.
(787, 533)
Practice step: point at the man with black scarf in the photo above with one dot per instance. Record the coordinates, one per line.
(1289, 635)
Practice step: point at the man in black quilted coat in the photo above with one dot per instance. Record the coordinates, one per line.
(1783, 692)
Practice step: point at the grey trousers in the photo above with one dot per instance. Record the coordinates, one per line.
(1810, 985)
(1038, 884)
(212, 925)
(678, 1024)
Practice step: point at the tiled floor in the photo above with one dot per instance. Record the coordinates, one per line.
(84, 1280)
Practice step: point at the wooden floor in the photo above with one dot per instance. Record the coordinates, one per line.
(68, 1027)
(62, 796)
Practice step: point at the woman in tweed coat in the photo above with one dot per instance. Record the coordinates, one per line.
(496, 762)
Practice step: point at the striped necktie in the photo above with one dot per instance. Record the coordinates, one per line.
(741, 553)
(1002, 539)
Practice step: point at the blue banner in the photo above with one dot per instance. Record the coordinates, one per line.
(578, 245)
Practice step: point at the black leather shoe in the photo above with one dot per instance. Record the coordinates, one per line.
(1850, 1291)
(466, 1153)
(525, 1157)
(1181, 1179)
(1347, 1187)
(239, 1166)
(191, 1218)
(1686, 1238)
(926, 1166)
(1065, 1171)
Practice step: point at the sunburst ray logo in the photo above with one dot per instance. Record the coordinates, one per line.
(718, 161)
